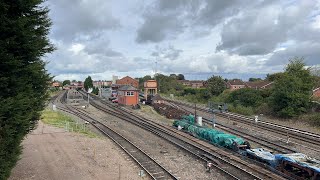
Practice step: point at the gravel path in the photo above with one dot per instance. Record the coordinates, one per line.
(51, 154)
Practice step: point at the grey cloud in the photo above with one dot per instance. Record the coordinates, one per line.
(102, 50)
(80, 18)
(169, 18)
(309, 50)
(170, 52)
(260, 31)
(157, 27)
(215, 11)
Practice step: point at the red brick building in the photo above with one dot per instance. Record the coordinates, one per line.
(316, 92)
(55, 84)
(235, 84)
(128, 95)
(259, 84)
(193, 84)
(128, 81)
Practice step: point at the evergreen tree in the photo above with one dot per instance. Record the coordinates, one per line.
(24, 26)
(292, 92)
(88, 83)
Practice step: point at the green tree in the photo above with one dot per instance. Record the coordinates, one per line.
(246, 97)
(216, 85)
(66, 82)
(88, 83)
(254, 79)
(180, 77)
(173, 76)
(24, 81)
(142, 80)
(274, 77)
(292, 92)
(95, 90)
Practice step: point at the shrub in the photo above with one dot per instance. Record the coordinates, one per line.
(312, 119)
(246, 97)
(247, 111)
(263, 109)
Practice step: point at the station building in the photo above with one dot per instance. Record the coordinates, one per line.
(128, 95)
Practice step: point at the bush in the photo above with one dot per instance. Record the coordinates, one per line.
(247, 111)
(246, 97)
(263, 109)
(312, 119)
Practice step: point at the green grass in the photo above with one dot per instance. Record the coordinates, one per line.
(60, 120)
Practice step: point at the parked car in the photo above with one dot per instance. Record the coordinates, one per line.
(115, 101)
(112, 98)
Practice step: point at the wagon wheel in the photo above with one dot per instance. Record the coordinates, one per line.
(235, 146)
(248, 145)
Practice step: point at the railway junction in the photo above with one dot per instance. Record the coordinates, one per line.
(164, 152)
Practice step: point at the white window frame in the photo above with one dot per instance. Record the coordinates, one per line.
(130, 93)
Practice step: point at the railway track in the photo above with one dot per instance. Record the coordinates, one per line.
(312, 139)
(150, 165)
(233, 166)
(267, 144)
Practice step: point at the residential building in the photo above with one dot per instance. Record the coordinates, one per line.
(235, 84)
(101, 83)
(128, 95)
(193, 84)
(316, 92)
(56, 84)
(259, 84)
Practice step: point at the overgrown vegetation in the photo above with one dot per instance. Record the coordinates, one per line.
(59, 119)
(24, 26)
(290, 96)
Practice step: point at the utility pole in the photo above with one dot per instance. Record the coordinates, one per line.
(195, 112)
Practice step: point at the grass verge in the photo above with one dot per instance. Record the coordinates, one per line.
(61, 120)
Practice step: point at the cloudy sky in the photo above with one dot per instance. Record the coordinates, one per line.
(237, 38)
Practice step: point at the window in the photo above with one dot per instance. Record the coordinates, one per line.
(129, 93)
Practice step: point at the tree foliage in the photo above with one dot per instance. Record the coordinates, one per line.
(66, 82)
(88, 83)
(246, 97)
(167, 83)
(142, 80)
(274, 77)
(292, 92)
(180, 77)
(254, 79)
(216, 85)
(24, 26)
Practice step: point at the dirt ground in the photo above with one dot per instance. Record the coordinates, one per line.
(52, 154)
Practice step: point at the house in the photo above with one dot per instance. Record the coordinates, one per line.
(101, 83)
(235, 84)
(259, 84)
(76, 85)
(193, 84)
(128, 95)
(55, 84)
(128, 81)
(316, 92)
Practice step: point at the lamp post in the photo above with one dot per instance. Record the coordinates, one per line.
(89, 91)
